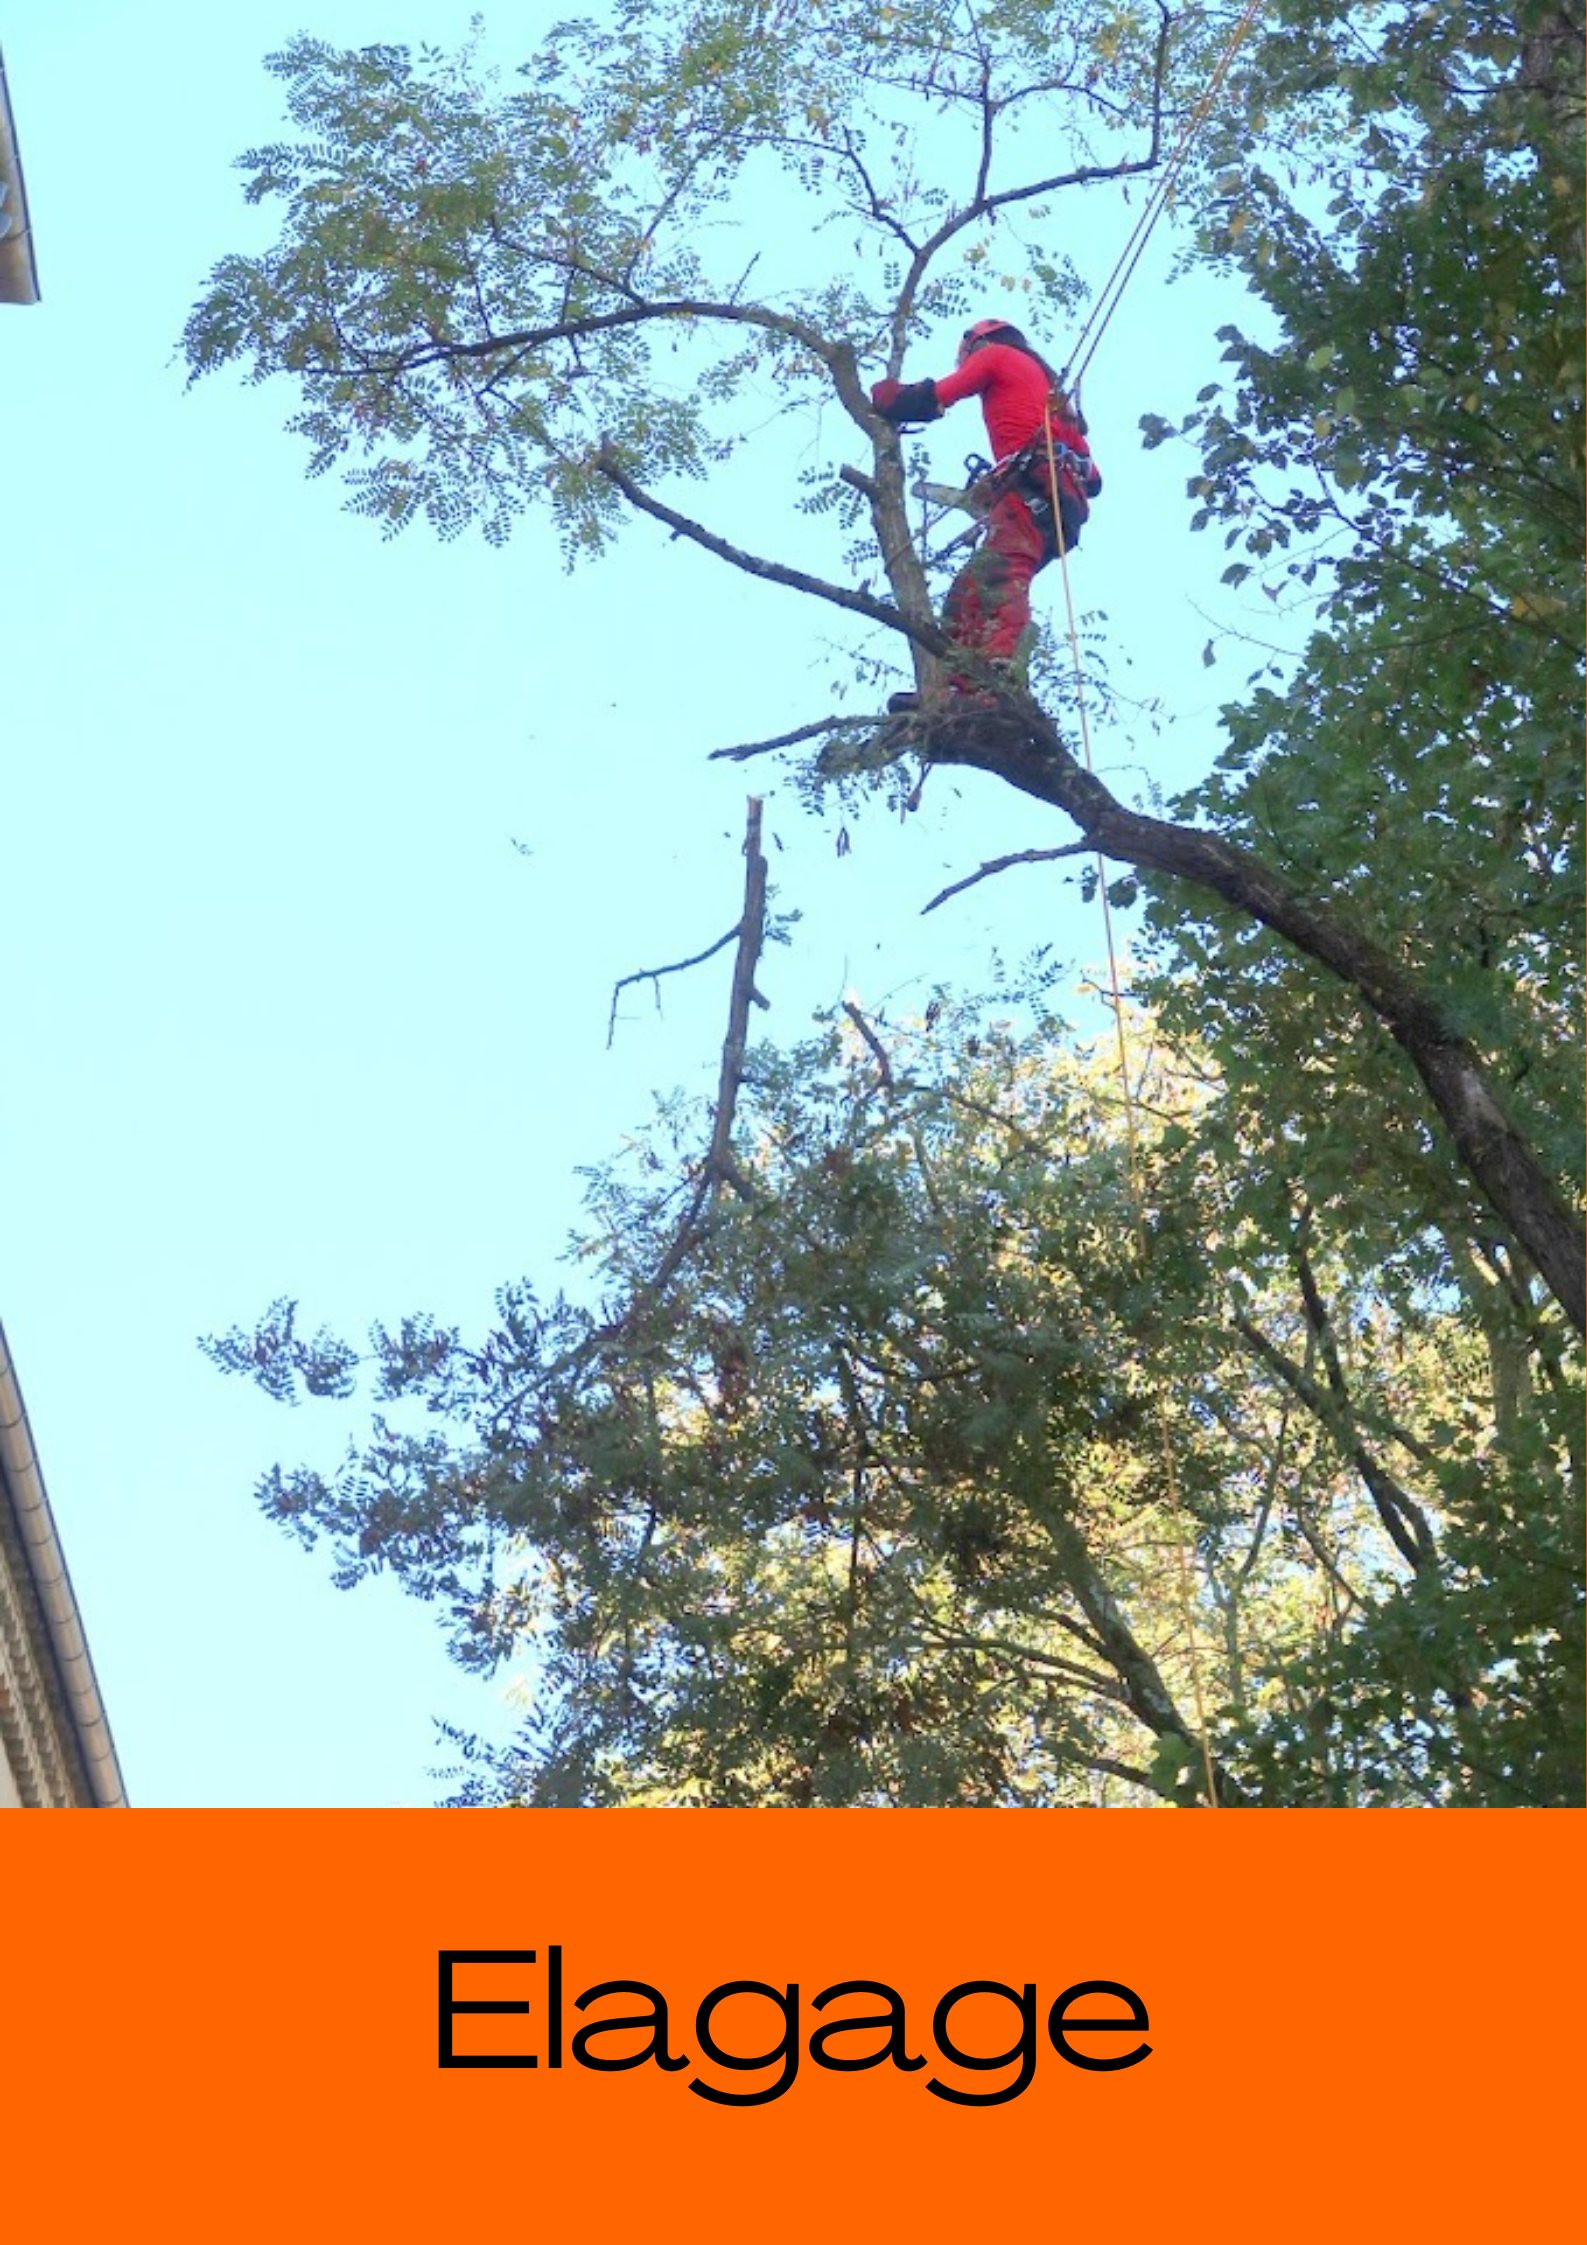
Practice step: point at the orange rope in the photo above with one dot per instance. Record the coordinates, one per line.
(1131, 1144)
(1084, 351)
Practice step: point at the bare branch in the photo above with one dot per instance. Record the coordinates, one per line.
(822, 727)
(877, 1049)
(988, 118)
(1001, 865)
(875, 205)
(755, 565)
(751, 934)
(982, 204)
(572, 329)
(719, 1167)
(654, 974)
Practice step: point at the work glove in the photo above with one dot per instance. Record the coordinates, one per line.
(904, 402)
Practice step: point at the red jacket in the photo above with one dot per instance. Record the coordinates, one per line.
(1015, 395)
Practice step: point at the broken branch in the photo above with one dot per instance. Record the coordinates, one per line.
(719, 1166)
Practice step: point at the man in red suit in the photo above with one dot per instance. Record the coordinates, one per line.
(988, 607)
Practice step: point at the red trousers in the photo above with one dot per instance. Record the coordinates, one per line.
(988, 604)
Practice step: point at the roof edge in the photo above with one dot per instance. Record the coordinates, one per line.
(23, 1483)
(19, 273)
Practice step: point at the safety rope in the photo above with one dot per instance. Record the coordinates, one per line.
(1084, 350)
(1107, 300)
(1132, 1160)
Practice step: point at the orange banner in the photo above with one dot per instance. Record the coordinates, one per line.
(750, 2025)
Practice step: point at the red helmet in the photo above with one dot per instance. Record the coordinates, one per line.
(983, 328)
(984, 331)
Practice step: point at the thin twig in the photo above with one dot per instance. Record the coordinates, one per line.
(1000, 1648)
(1001, 865)
(824, 725)
(654, 974)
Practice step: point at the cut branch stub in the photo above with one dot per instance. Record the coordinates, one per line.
(720, 1167)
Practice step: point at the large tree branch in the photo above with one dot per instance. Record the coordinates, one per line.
(573, 328)
(606, 463)
(1023, 748)
(1018, 743)
(1402, 1518)
(1145, 1692)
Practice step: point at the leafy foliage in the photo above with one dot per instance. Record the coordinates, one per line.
(476, 287)
(1414, 446)
(873, 1504)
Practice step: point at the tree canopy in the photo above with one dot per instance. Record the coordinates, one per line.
(960, 1442)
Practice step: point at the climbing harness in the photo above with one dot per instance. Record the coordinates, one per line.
(1031, 472)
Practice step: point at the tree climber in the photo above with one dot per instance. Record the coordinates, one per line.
(988, 605)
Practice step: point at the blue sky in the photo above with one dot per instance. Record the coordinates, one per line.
(286, 1010)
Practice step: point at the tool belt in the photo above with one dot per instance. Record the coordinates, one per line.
(1027, 475)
